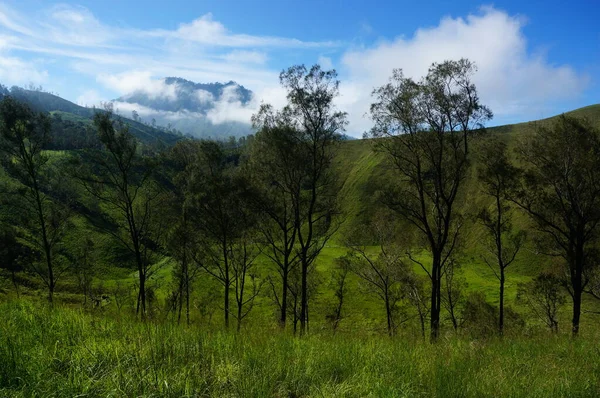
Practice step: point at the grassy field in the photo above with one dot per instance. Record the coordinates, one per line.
(66, 353)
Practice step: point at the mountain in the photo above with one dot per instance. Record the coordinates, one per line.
(71, 122)
(215, 110)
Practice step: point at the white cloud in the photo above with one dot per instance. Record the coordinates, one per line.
(510, 80)
(14, 71)
(89, 98)
(230, 108)
(76, 26)
(242, 56)
(134, 81)
(204, 96)
(514, 80)
(206, 30)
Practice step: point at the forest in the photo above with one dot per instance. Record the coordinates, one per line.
(437, 256)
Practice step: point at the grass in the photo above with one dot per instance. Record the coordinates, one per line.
(65, 353)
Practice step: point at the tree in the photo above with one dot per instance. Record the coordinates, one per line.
(276, 163)
(339, 282)
(311, 113)
(121, 179)
(243, 262)
(181, 236)
(453, 292)
(23, 136)
(425, 129)
(560, 190)
(84, 262)
(497, 177)
(220, 214)
(414, 290)
(384, 271)
(544, 295)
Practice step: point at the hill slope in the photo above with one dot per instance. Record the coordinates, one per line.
(45, 102)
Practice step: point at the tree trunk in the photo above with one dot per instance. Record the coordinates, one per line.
(388, 312)
(304, 297)
(576, 304)
(576, 281)
(141, 306)
(15, 284)
(501, 317)
(239, 316)
(435, 297)
(284, 295)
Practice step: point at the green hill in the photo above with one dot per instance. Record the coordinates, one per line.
(361, 170)
(41, 101)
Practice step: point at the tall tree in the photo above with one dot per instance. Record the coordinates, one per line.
(560, 190)
(121, 179)
(426, 128)
(23, 137)
(219, 192)
(276, 165)
(181, 235)
(498, 176)
(311, 113)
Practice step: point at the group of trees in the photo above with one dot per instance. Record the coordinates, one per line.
(218, 210)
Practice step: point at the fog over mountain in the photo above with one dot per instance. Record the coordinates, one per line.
(215, 110)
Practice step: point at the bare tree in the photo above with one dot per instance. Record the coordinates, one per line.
(426, 128)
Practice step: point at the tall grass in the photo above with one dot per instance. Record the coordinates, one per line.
(66, 353)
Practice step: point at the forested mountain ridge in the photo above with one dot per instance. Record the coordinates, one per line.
(204, 110)
(185, 95)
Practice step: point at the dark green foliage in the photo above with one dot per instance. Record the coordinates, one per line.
(560, 190)
(424, 129)
(43, 221)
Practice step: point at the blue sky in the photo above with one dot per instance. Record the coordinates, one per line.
(535, 58)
